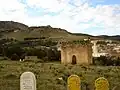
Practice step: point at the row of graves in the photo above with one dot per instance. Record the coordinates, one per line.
(28, 82)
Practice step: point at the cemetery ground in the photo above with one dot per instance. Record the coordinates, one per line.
(53, 75)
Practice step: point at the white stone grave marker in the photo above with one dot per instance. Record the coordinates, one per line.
(27, 81)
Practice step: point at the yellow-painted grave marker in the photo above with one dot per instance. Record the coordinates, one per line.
(101, 84)
(73, 82)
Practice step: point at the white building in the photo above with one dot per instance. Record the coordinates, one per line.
(95, 50)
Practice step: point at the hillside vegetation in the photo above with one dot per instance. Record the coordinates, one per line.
(47, 75)
(19, 31)
(9, 25)
(19, 40)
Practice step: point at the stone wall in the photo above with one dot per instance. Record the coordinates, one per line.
(31, 58)
(83, 53)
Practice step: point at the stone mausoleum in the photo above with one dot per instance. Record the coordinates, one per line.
(79, 52)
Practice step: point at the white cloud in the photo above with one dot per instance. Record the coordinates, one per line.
(76, 15)
(106, 15)
(12, 10)
(49, 5)
(11, 5)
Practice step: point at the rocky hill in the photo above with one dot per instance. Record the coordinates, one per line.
(116, 37)
(19, 31)
(11, 25)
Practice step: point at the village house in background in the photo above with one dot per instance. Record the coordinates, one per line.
(105, 48)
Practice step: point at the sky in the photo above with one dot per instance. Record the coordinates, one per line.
(94, 17)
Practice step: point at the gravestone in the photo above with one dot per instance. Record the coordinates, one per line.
(73, 83)
(27, 81)
(116, 87)
(101, 84)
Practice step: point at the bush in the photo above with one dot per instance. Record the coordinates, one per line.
(106, 61)
(53, 55)
(15, 57)
(14, 50)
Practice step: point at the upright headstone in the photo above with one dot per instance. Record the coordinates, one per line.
(27, 81)
(101, 84)
(73, 83)
(116, 87)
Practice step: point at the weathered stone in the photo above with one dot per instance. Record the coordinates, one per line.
(74, 83)
(30, 58)
(76, 53)
(101, 84)
(116, 88)
(27, 81)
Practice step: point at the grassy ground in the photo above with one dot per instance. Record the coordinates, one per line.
(47, 74)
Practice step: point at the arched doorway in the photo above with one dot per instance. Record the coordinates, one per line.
(73, 59)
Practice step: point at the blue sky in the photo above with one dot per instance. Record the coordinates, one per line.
(105, 2)
(95, 17)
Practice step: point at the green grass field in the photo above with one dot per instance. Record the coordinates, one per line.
(47, 74)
